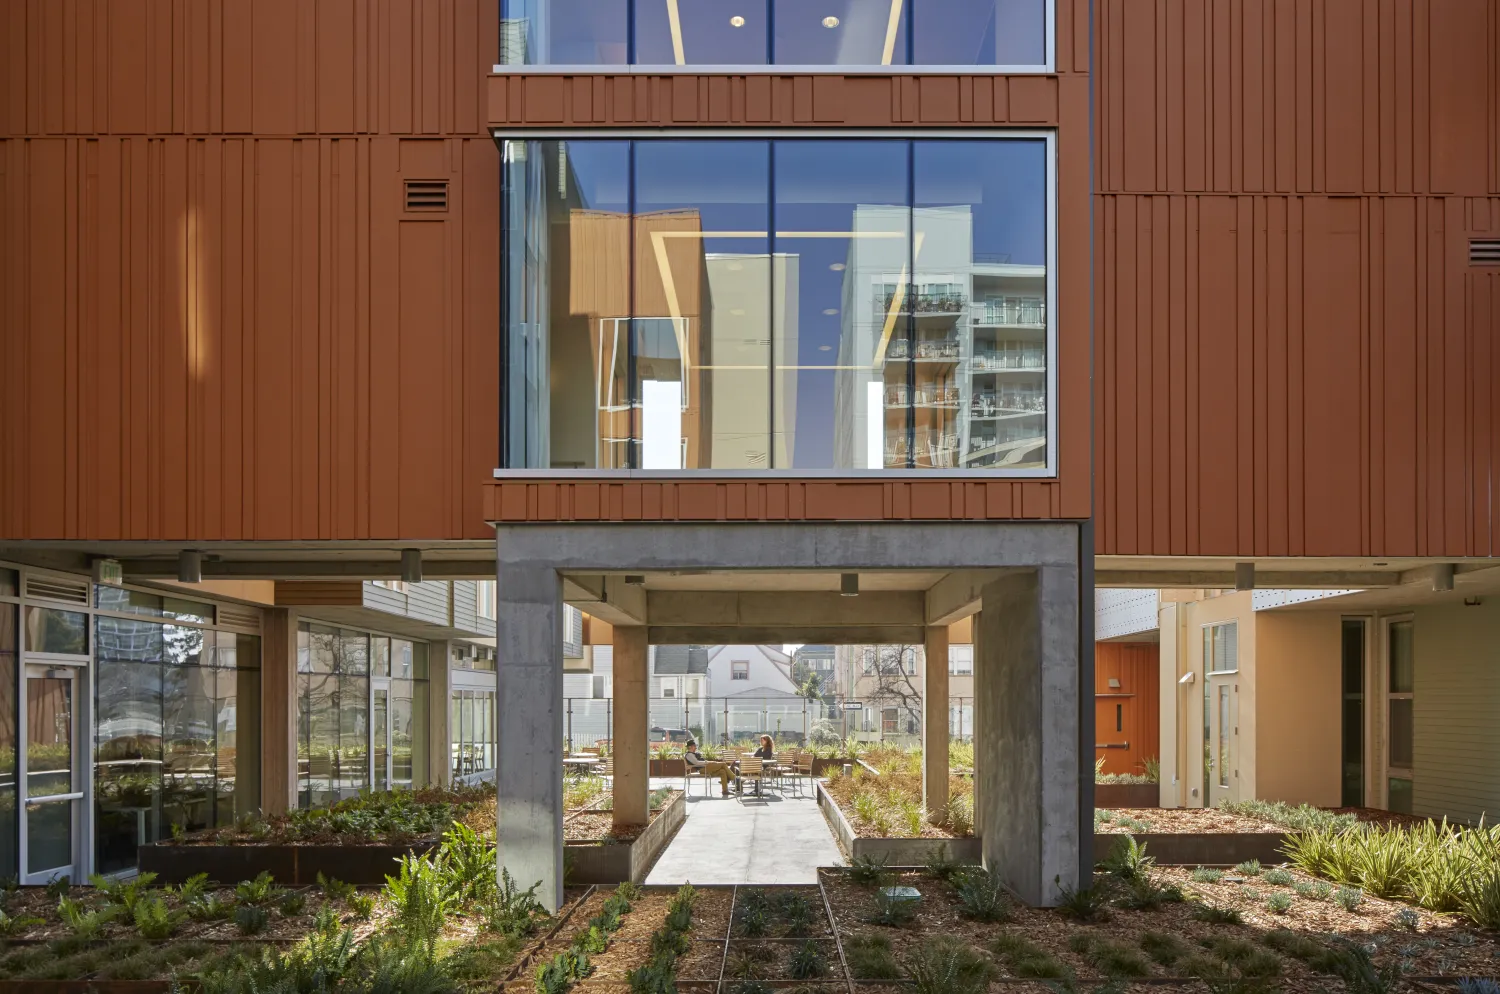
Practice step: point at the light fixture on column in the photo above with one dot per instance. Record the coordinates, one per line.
(1244, 576)
(1442, 576)
(411, 565)
(190, 566)
(849, 584)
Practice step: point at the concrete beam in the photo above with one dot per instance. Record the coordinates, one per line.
(777, 634)
(712, 608)
(1224, 579)
(957, 595)
(302, 569)
(608, 598)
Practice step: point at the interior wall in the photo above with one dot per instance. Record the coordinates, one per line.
(1298, 721)
(1456, 701)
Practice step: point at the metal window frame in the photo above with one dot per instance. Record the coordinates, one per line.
(1050, 471)
(1047, 66)
(1385, 771)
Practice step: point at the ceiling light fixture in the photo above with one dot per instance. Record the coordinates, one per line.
(830, 21)
(837, 267)
(411, 565)
(849, 584)
(830, 310)
(737, 21)
(825, 348)
(189, 566)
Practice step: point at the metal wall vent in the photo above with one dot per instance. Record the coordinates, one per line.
(426, 195)
(53, 588)
(1484, 252)
(246, 619)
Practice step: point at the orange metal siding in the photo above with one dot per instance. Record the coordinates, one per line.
(1293, 356)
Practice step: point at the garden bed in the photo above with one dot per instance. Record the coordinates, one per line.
(619, 856)
(365, 865)
(1191, 836)
(892, 851)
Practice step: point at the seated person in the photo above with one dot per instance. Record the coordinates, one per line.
(765, 752)
(695, 759)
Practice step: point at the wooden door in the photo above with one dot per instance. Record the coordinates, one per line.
(1126, 709)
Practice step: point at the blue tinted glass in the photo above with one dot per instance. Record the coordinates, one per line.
(979, 32)
(700, 32)
(564, 32)
(702, 304)
(979, 231)
(840, 33)
(841, 221)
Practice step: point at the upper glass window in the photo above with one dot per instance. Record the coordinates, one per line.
(789, 304)
(811, 33)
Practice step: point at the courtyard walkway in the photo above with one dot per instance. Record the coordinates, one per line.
(773, 840)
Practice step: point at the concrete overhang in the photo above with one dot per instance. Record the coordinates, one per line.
(1292, 573)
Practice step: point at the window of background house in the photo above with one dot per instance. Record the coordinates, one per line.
(961, 660)
(1221, 652)
(484, 596)
(399, 586)
(739, 670)
(1400, 733)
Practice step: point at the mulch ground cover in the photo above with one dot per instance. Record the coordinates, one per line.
(1210, 821)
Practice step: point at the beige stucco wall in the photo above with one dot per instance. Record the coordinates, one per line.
(1297, 718)
(1456, 711)
(1194, 616)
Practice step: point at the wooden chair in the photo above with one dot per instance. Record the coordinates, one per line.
(752, 769)
(802, 769)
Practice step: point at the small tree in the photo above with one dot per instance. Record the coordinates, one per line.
(893, 669)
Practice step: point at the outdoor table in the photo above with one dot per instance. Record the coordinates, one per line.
(580, 765)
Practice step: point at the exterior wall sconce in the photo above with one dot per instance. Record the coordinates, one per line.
(1442, 576)
(1244, 576)
(849, 584)
(189, 566)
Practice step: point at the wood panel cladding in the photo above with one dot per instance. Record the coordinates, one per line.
(1298, 96)
(264, 67)
(246, 338)
(1296, 376)
(766, 100)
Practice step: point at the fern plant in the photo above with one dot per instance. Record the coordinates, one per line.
(421, 899)
(81, 921)
(947, 966)
(154, 920)
(981, 895)
(334, 889)
(261, 890)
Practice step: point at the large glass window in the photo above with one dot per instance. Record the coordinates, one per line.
(789, 304)
(177, 733)
(473, 732)
(807, 33)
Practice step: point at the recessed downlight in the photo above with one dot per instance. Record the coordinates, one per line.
(830, 21)
(830, 310)
(825, 348)
(837, 267)
(737, 21)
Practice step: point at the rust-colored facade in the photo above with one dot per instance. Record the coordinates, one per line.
(220, 322)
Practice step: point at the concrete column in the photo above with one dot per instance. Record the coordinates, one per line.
(278, 710)
(935, 721)
(631, 787)
(528, 679)
(1026, 676)
(439, 708)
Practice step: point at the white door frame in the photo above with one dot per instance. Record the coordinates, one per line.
(78, 672)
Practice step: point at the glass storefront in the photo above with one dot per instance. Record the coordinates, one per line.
(177, 730)
(472, 730)
(788, 304)
(361, 713)
(975, 33)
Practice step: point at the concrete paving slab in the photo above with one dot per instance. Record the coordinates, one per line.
(774, 840)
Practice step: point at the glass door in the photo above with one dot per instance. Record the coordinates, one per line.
(51, 786)
(380, 733)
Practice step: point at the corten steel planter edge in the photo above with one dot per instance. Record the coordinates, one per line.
(294, 865)
(1201, 848)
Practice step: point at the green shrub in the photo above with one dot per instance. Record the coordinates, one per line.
(1279, 878)
(1164, 948)
(467, 862)
(891, 910)
(1301, 818)
(1145, 894)
(1352, 964)
(945, 965)
(1127, 859)
(58, 887)
(1349, 898)
(512, 911)
(796, 914)
(210, 908)
(557, 974)
(1315, 890)
(866, 870)
(362, 906)
(292, 904)
(334, 889)
(1111, 958)
(1479, 897)
(982, 895)
(1217, 914)
(123, 893)
(807, 962)
(15, 926)
(153, 920)
(1027, 960)
(192, 889)
(251, 919)
(1085, 904)
(755, 922)
(1207, 875)
(1249, 868)
(940, 865)
(1279, 903)
(81, 921)
(421, 899)
(870, 958)
(261, 890)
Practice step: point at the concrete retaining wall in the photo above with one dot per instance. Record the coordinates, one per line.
(617, 862)
(892, 852)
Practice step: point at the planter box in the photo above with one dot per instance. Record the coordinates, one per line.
(1202, 849)
(290, 865)
(617, 862)
(1127, 795)
(893, 852)
(668, 767)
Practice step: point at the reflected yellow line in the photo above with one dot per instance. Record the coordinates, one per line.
(891, 27)
(676, 24)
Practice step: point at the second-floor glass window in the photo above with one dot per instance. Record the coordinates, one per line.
(808, 33)
(792, 304)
